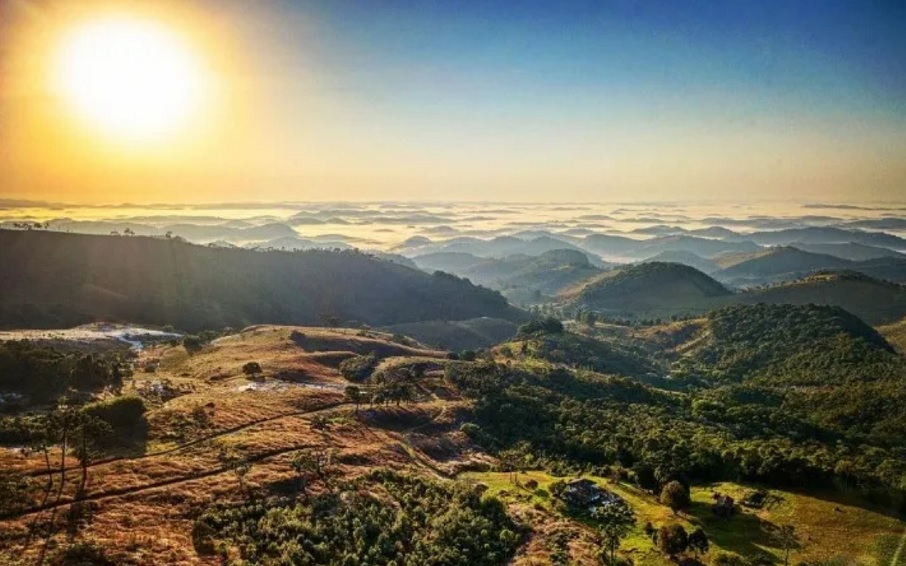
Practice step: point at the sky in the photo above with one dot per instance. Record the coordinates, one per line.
(529, 101)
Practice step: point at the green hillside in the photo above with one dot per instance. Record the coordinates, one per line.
(779, 261)
(816, 365)
(655, 288)
(56, 279)
(874, 301)
(791, 345)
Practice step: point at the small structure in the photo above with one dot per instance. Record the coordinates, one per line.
(586, 494)
(723, 506)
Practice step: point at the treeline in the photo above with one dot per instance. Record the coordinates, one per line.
(43, 373)
(58, 280)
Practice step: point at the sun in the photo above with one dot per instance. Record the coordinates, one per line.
(128, 77)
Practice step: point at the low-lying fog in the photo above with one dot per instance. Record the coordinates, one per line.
(414, 229)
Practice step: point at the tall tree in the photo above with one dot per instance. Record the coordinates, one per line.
(789, 541)
(353, 395)
(615, 521)
(88, 432)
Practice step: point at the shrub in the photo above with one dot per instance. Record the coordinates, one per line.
(358, 368)
(672, 539)
(676, 496)
(123, 414)
(251, 369)
(192, 343)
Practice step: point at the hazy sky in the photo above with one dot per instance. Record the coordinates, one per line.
(534, 101)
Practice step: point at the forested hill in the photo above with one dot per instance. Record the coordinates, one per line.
(650, 287)
(52, 279)
(791, 345)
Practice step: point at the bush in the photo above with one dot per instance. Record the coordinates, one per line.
(676, 496)
(252, 369)
(358, 368)
(123, 414)
(672, 539)
(192, 343)
(549, 325)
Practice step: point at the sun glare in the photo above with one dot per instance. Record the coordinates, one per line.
(130, 78)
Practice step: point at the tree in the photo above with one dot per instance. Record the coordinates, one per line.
(789, 541)
(615, 522)
(252, 369)
(236, 464)
(353, 395)
(676, 496)
(63, 420)
(395, 385)
(515, 461)
(191, 343)
(311, 464)
(89, 432)
(90, 372)
(672, 539)
(591, 318)
(42, 436)
(698, 541)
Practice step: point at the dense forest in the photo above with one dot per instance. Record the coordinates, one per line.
(60, 280)
(384, 518)
(821, 403)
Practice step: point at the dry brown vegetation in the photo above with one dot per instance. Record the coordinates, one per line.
(140, 506)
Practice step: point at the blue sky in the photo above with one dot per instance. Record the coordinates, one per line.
(591, 100)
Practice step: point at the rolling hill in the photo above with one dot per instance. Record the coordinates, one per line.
(522, 278)
(826, 235)
(498, 247)
(792, 345)
(685, 258)
(658, 290)
(655, 289)
(704, 247)
(777, 263)
(56, 279)
(874, 301)
(850, 251)
(451, 262)
(629, 248)
(824, 366)
(786, 263)
(298, 461)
